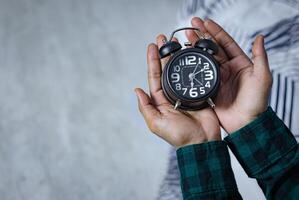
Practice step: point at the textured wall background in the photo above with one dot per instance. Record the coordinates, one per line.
(69, 124)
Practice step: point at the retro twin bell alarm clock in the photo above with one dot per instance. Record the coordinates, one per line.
(191, 77)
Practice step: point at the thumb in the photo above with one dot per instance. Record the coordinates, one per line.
(260, 58)
(149, 111)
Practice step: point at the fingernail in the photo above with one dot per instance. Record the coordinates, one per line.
(263, 38)
(150, 46)
(136, 92)
(207, 21)
(161, 38)
(194, 19)
(152, 51)
(188, 32)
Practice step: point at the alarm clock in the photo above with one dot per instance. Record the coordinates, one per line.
(191, 77)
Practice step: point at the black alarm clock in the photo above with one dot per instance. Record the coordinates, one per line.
(191, 77)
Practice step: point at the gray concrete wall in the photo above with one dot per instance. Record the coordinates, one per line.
(69, 124)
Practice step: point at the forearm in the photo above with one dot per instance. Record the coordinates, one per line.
(268, 152)
(206, 172)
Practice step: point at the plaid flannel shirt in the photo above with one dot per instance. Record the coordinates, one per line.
(265, 148)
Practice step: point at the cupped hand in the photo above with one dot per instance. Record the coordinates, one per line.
(179, 128)
(245, 83)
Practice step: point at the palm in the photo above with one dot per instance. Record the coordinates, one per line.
(244, 85)
(181, 127)
(238, 90)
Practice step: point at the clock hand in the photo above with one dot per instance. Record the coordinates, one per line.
(191, 78)
(195, 68)
(199, 71)
(198, 81)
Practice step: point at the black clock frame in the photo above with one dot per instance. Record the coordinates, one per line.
(186, 103)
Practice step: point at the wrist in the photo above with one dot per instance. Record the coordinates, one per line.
(199, 139)
(245, 119)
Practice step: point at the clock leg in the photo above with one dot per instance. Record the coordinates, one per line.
(177, 104)
(210, 102)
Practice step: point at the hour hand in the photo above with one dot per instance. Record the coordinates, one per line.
(192, 84)
(191, 78)
(198, 81)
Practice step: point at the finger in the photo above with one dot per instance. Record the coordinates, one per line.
(147, 109)
(221, 56)
(160, 41)
(228, 44)
(192, 35)
(175, 39)
(260, 58)
(154, 75)
(166, 59)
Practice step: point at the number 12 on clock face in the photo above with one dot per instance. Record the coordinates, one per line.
(189, 60)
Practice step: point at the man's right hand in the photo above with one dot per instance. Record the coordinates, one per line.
(245, 83)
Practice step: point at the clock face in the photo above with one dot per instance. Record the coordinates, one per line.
(192, 75)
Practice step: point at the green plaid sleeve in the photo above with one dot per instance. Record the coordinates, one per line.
(206, 172)
(268, 151)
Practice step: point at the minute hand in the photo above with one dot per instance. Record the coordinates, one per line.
(199, 71)
(196, 67)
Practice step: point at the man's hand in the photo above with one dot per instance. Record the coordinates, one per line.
(245, 83)
(176, 127)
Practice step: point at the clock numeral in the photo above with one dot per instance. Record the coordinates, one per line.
(177, 68)
(178, 86)
(199, 60)
(209, 75)
(193, 92)
(188, 60)
(206, 66)
(208, 84)
(185, 90)
(181, 62)
(202, 90)
(176, 77)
